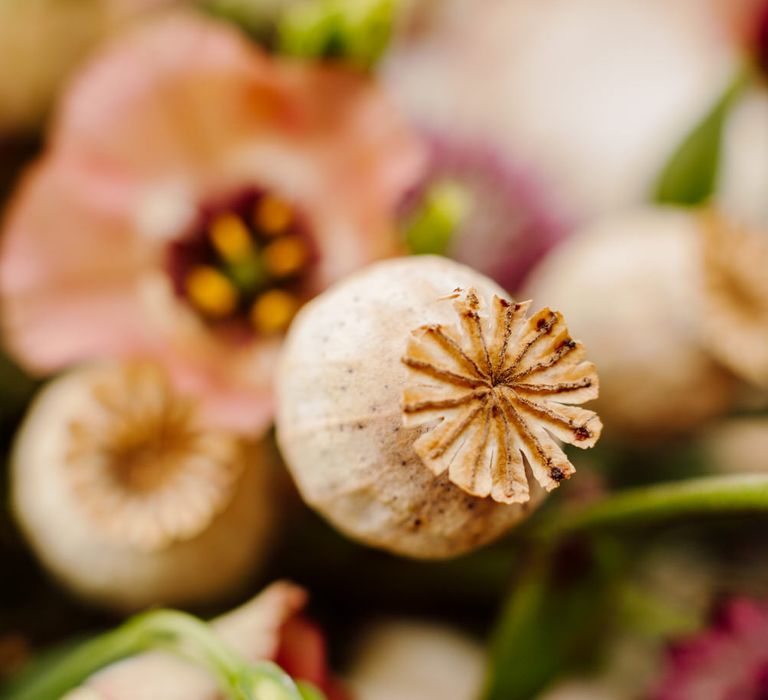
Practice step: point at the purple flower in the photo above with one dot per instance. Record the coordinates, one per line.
(509, 223)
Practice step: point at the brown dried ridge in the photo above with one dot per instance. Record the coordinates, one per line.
(141, 464)
(735, 318)
(501, 386)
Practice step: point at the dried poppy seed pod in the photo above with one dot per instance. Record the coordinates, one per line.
(734, 324)
(129, 500)
(631, 287)
(408, 395)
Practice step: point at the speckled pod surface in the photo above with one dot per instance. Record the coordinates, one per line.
(340, 413)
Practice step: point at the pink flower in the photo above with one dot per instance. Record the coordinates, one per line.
(728, 662)
(194, 192)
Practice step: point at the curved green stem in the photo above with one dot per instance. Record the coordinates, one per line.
(172, 631)
(707, 495)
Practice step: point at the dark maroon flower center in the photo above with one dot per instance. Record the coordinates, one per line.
(244, 263)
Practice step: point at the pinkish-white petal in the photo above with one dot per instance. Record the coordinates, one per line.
(69, 270)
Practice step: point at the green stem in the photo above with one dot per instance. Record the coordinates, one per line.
(168, 630)
(708, 495)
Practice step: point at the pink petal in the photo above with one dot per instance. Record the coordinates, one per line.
(226, 399)
(69, 270)
(170, 96)
(364, 161)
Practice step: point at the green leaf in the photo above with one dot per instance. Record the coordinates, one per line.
(550, 623)
(430, 228)
(690, 176)
(356, 31)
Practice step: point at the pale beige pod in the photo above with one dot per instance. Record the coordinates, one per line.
(129, 500)
(416, 660)
(743, 172)
(738, 445)
(734, 323)
(632, 287)
(408, 395)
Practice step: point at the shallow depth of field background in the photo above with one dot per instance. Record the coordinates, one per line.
(605, 157)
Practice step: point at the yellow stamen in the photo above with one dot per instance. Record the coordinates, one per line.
(273, 311)
(273, 215)
(285, 256)
(230, 237)
(210, 291)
